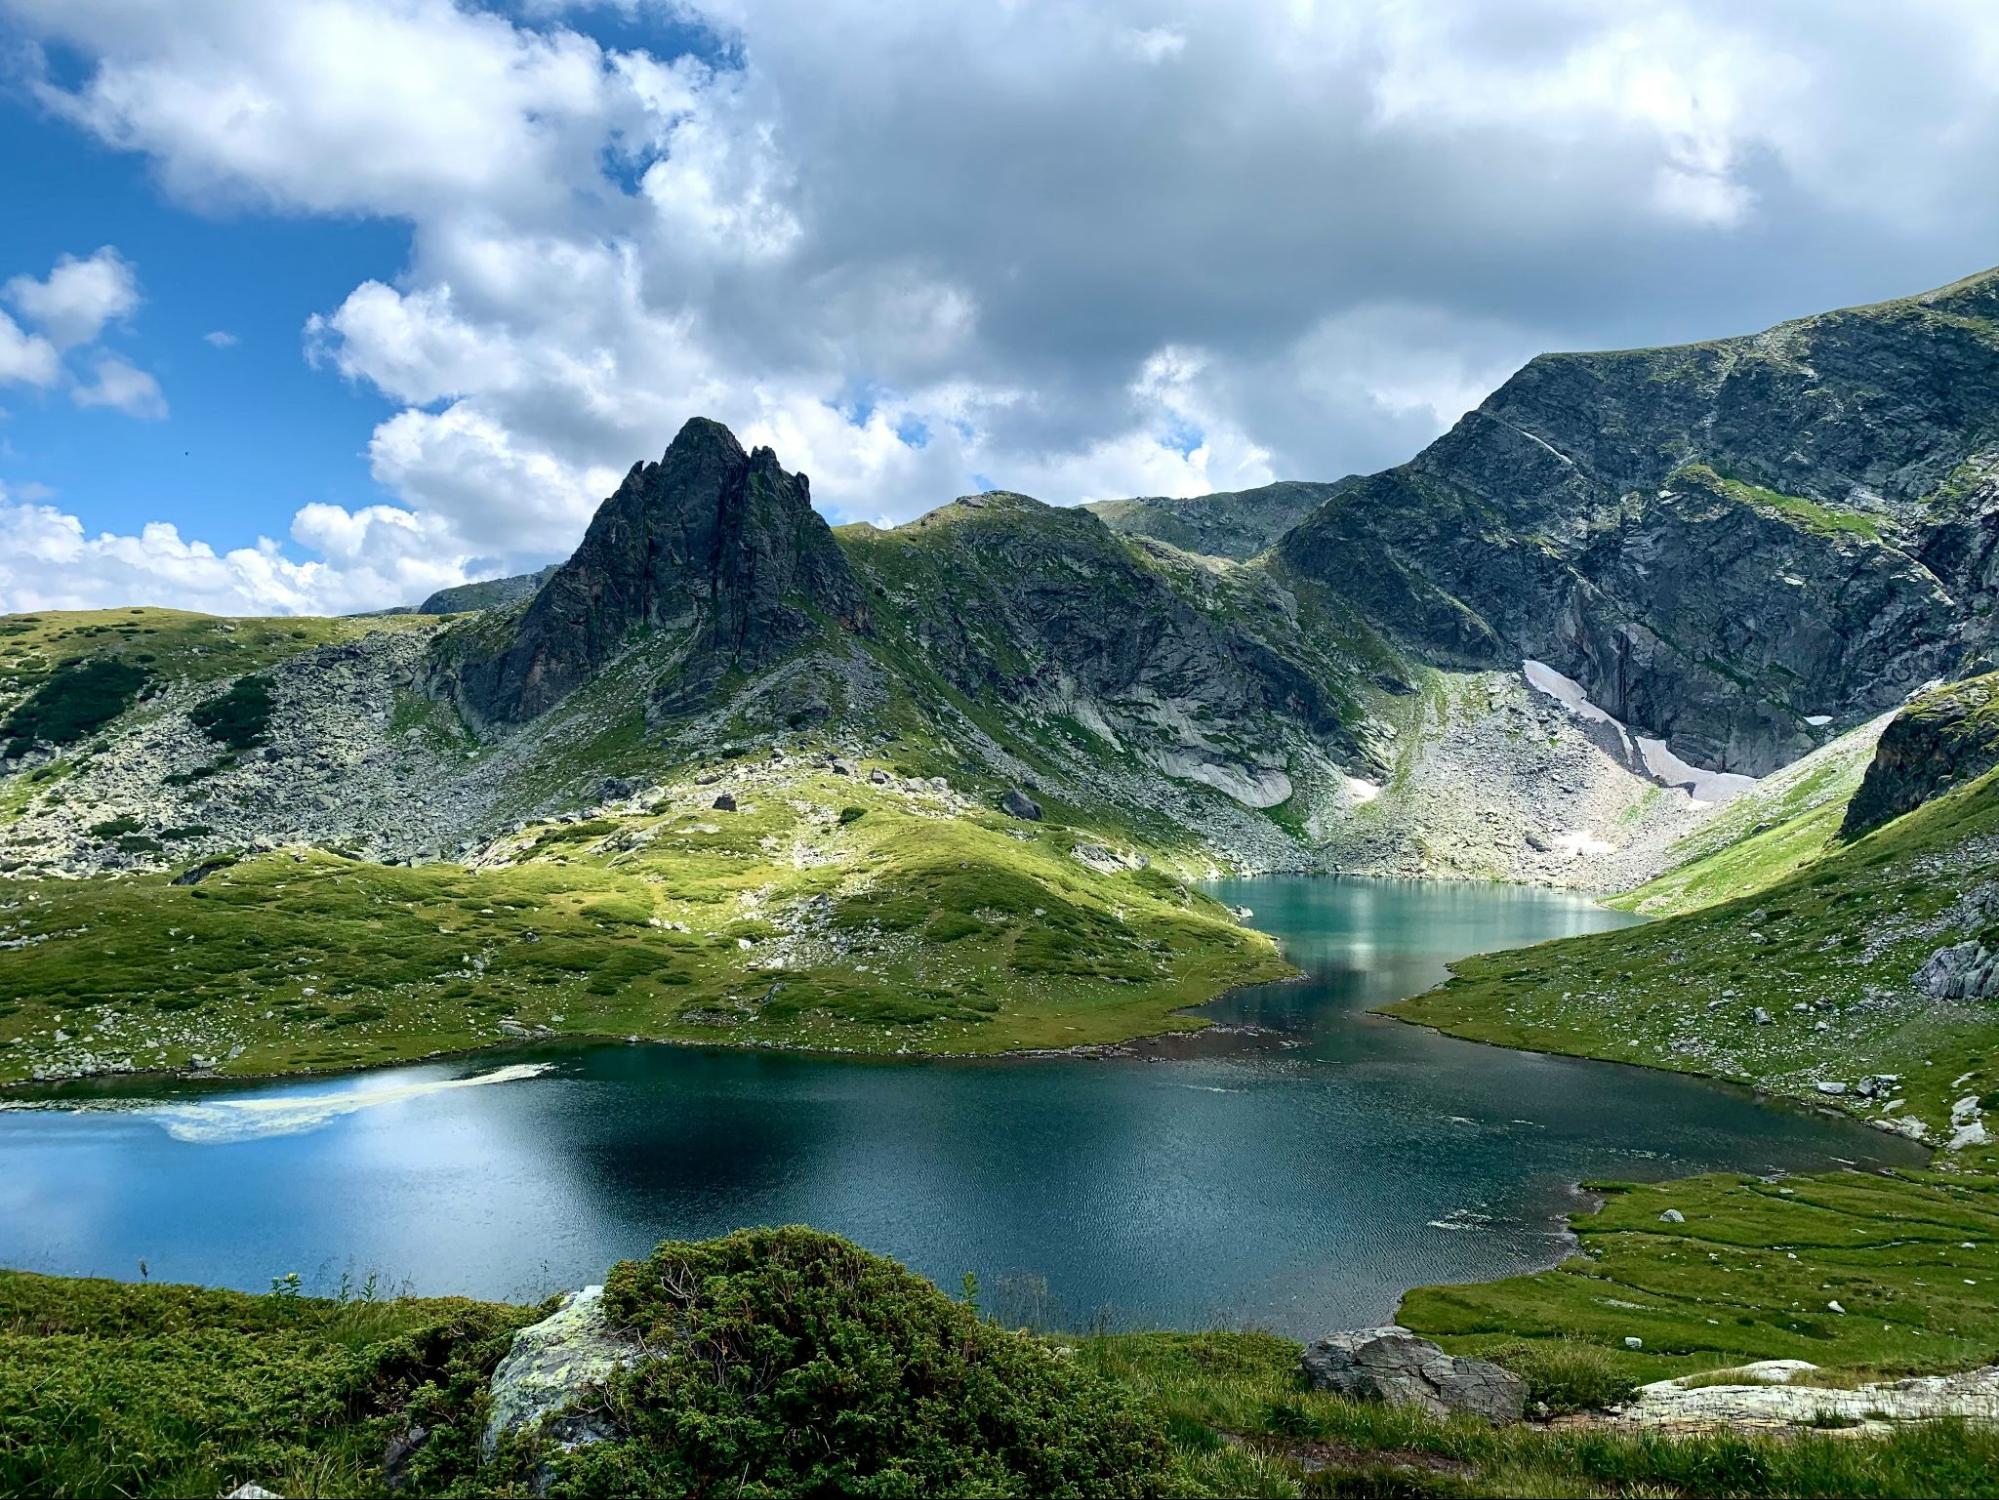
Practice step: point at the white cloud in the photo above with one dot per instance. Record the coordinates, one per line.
(221, 338)
(48, 561)
(122, 386)
(78, 297)
(1078, 251)
(27, 358)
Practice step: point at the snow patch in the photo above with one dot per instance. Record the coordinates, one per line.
(1360, 792)
(1660, 763)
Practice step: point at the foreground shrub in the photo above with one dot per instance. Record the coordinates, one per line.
(790, 1362)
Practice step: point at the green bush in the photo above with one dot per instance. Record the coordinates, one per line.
(112, 828)
(80, 696)
(790, 1362)
(238, 718)
(852, 815)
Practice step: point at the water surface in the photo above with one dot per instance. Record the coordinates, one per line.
(1300, 1180)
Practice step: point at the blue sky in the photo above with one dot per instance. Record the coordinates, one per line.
(474, 261)
(253, 432)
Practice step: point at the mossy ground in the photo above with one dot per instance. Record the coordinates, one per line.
(828, 913)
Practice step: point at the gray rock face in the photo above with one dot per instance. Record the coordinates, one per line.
(710, 544)
(1017, 804)
(1963, 971)
(1721, 542)
(1944, 738)
(551, 1364)
(1391, 1364)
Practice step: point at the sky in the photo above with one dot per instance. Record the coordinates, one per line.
(318, 305)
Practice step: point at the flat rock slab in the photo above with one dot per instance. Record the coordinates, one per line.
(1777, 1395)
(1391, 1364)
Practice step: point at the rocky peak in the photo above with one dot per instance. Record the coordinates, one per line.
(718, 548)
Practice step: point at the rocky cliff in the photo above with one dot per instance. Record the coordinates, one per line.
(1947, 737)
(717, 548)
(1740, 546)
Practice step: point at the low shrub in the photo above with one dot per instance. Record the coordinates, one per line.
(791, 1362)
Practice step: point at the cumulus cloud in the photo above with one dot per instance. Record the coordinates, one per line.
(122, 386)
(74, 302)
(220, 338)
(49, 561)
(26, 358)
(1078, 251)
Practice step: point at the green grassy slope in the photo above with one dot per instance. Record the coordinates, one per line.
(1829, 955)
(1764, 835)
(831, 913)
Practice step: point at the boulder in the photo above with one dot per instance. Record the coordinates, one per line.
(1393, 1365)
(725, 803)
(550, 1365)
(1017, 804)
(1963, 971)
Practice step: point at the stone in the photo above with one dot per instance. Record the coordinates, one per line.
(1672, 1216)
(1828, 1086)
(1391, 1364)
(1761, 1016)
(251, 1490)
(724, 803)
(1962, 971)
(550, 1365)
(1632, 1341)
(1778, 1395)
(1017, 804)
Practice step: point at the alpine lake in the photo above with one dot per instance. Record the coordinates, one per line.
(1296, 1168)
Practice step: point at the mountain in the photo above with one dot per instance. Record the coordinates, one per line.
(1236, 524)
(492, 593)
(944, 786)
(1739, 547)
(717, 547)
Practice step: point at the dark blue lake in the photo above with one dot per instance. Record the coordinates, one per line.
(1300, 1179)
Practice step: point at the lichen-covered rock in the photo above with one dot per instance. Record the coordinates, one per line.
(1391, 1364)
(1776, 1395)
(551, 1364)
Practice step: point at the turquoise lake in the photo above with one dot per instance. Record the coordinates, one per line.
(1298, 1178)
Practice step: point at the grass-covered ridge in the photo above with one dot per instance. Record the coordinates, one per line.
(1810, 981)
(829, 912)
(786, 1362)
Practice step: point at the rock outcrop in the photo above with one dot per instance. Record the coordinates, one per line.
(1393, 1365)
(1946, 737)
(719, 549)
(1778, 1395)
(490, 593)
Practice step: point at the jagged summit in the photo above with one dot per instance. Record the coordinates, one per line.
(718, 547)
